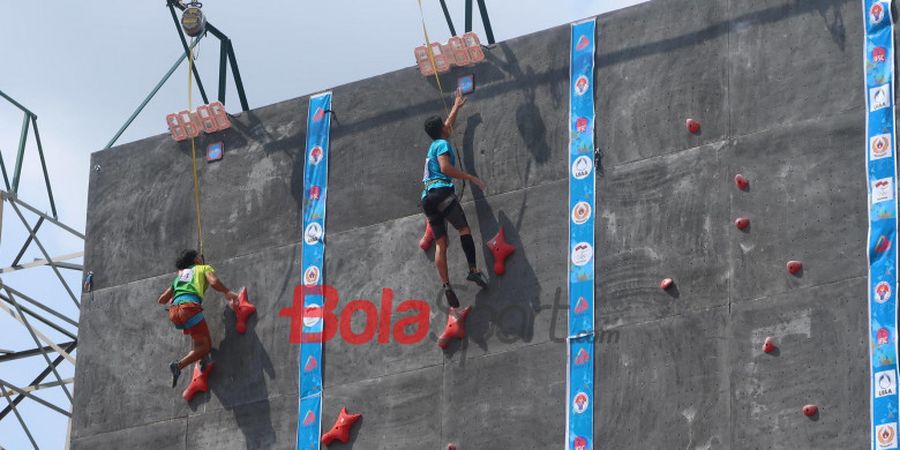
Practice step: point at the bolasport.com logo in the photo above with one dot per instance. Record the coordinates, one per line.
(317, 315)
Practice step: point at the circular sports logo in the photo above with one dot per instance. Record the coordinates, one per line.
(580, 403)
(582, 167)
(882, 292)
(876, 13)
(581, 85)
(315, 155)
(581, 212)
(880, 146)
(582, 253)
(311, 276)
(312, 315)
(313, 233)
(887, 435)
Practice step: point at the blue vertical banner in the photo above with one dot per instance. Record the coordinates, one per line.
(881, 169)
(315, 195)
(582, 185)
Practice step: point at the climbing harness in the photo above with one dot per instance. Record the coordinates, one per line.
(437, 79)
(194, 156)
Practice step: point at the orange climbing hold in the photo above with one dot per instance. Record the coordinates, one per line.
(243, 310)
(427, 238)
(198, 382)
(341, 428)
(501, 250)
(454, 328)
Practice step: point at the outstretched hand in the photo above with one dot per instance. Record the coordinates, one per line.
(478, 182)
(232, 299)
(460, 99)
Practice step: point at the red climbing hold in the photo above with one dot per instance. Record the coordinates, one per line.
(666, 283)
(810, 410)
(769, 345)
(427, 238)
(741, 182)
(693, 126)
(341, 428)
(198, 382)
(794, 267)
(454, 328)
(451, 446)
(742, 223)
(501, 250)
(243, 310)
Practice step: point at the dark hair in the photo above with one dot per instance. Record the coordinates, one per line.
(434, 126)
(186, 259)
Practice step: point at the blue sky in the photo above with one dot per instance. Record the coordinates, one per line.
(83, 67)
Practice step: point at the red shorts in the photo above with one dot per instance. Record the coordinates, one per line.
(182, 314)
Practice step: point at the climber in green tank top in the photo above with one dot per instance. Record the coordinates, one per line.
(186, 295)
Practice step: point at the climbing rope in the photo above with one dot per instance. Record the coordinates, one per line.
(194, 154)
(437, 79)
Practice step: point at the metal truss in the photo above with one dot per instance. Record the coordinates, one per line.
(226, 59)
(482, 8)
(35, 314)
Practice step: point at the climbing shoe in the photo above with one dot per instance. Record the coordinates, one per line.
(452, 300)
(176, 372)
(478, 278)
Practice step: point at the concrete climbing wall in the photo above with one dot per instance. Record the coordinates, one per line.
(777, 85)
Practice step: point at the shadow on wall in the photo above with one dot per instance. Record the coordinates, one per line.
(239, 382)
(506, 310)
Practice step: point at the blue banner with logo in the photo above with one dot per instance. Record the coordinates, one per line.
(580, 365)
(315, 193)
(881, 168)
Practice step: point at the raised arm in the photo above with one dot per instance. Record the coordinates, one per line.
(217, 284)
(457, 104)
(448, 169)
(166, 296)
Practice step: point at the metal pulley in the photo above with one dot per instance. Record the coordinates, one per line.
(192, 20)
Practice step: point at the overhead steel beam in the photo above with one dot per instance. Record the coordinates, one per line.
(184, 44)
(12, 356)
(148, 97)
(36, 335)
(486, 21)
(43, 262)
(37, 387)
(46, 255)
(19, 256)
(235, 72)
(37, 343)
(37, 399)
(23, 138)
(44, 373)
(19, 416)
(41, 306)
(13, 197)
(449, 19)
(17, 104)
(41, 318)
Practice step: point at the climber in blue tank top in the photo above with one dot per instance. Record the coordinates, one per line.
(440, 203)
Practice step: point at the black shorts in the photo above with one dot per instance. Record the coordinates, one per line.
(453, 212)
